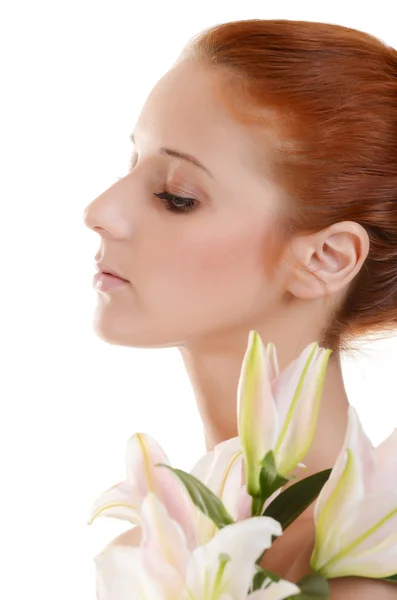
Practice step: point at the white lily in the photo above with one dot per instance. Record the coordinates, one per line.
(124, 500)
(164, 568)
(275, 591)
(356, 511)
(278, 411)
(222, 471)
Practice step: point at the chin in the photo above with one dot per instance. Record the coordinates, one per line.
(118, 333)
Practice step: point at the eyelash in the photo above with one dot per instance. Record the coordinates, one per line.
(188, 205)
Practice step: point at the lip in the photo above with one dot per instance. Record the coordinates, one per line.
(106, 282)
(107, 270)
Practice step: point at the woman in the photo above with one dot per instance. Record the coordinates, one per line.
(262, 196)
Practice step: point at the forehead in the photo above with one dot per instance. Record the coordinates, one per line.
(184, 111)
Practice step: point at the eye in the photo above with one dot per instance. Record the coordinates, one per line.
(177, 203)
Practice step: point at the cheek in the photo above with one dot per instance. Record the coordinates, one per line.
(222, 258)
(217, 262)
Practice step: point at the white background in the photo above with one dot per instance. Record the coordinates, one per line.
(74, 76)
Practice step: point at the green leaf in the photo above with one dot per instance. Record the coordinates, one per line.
(203, 498)
(295, 499)
(269, 480)
(392, 578)
(260, 576)
(313, 587)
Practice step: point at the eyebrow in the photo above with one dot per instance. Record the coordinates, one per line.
(181, 156)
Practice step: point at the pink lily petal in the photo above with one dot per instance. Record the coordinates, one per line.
(354, 441)
(223, 477)
(373, 520)
(143, 453)
(202, 467)
(284, 386)
(385, 468)
(273, 368)
(143, 476)
(363, 449)
(120, 574)
(297, 427)
(244, 504)
(378, 562)
(166, 553)
(116, 502)
(349, 486)
(347, 509)
(201, 470)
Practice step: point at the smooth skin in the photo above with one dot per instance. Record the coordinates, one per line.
(198, 280)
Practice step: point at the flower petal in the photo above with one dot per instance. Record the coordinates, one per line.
(271, 354)
(164, 547)
(226, 474)
(244, 505)
(349, 486)
(276, 591)
(385, 469)
(378, 562)
(243, 543)
(284, 387)
(143, 476)
(143, 453)
(350, 480)
(163, 537)
(329, 491)
(336, 509)
(116, 502)
(202, 467)
(298, 426)
(120, 574)
(256, 411)
(365, 532)
(224, 478)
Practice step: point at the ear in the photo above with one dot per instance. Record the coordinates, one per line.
(336, 254)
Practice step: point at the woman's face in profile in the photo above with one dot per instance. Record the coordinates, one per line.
(195, 265)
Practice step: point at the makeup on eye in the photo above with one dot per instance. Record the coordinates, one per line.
(177, 204)
(173, 202)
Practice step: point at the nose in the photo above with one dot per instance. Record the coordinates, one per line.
(89, 218)
(109, 213)
(99, 219)
(86, 217)
(94, 215)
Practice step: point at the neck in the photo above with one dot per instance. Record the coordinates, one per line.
(215, 375)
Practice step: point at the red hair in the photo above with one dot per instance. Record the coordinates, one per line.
(329, 93)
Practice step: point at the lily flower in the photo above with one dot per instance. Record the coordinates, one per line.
(278, 411)
(356, 511)
(222, 471)
(124, 500)
(163, 568)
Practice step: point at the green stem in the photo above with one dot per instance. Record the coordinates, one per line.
(257, 506)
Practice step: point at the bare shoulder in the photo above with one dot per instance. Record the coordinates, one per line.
(360, 588)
